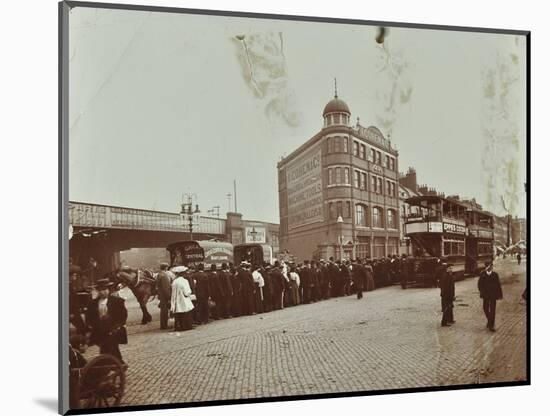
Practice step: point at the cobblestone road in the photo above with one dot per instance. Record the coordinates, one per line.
(390, 339)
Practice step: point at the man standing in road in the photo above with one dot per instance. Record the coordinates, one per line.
(164, 292)
(278, 284)
(225, 280)
(358, 273)
(447, 287)
(490, 291)
(202, 291)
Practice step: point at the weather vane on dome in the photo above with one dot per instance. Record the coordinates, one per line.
(335, 89)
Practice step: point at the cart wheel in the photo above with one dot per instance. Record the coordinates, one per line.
(102, 382)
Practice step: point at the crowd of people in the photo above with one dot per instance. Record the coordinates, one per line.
(196, 295)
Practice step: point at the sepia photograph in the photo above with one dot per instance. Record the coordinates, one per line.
(264, 207)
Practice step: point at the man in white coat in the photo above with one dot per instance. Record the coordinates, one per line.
(181, 304)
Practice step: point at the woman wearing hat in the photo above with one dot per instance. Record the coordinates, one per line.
(106, 315)
(181, 304)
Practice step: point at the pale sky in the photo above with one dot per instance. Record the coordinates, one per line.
(163, 104)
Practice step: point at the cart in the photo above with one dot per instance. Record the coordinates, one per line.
(99, 384)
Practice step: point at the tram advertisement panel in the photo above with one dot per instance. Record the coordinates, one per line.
(304, 189)
(454, 228)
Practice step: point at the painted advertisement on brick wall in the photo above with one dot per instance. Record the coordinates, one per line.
(305, 189)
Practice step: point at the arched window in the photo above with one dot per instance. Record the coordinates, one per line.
(360, 215)
(377, 217)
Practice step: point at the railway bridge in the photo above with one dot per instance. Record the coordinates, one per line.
(101, 232)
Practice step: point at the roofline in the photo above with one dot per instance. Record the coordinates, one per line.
(349, 129)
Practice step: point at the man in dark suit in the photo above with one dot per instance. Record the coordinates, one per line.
(333, 273)
(278, 285)
(215, 288)
(490, 291)
(237, 298)
(227, 290)
(447, 286)
(106, 316)
(247, 287)
(202, 291)
(164, 292)
(359, 277)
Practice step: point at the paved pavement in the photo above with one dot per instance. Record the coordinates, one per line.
(390, 339)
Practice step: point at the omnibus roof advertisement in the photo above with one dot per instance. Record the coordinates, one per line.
(207, 252)
(305, 189)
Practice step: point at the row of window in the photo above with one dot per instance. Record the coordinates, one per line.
(338, 118)
(453, 248)
(343, 209)
(362, 248)
(340, 176)
(484, 248)
(340, 144)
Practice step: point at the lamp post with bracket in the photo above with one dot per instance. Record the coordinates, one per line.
(187, 212)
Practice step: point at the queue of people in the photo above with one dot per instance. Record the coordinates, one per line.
(195, 296)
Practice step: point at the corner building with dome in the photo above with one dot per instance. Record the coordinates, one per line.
(339, 192)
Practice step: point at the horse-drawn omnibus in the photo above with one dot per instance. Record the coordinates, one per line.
(192, 252)
(479, 240)
(437, 230)
(254, 253)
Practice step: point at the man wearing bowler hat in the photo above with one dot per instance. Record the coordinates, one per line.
(446, 283)
(106, 316)
(490, 291)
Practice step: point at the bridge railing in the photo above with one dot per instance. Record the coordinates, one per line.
(105, 216)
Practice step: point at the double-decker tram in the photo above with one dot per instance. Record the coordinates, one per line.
(479, 240)
(192, 252)
(437, 230)
(253, 253)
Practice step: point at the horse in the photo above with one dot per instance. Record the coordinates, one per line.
(142, 283)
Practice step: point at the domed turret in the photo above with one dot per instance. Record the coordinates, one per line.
(336, 111)
(336, 105)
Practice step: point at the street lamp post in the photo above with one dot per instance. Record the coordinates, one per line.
(187, 210)
(340, 222)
